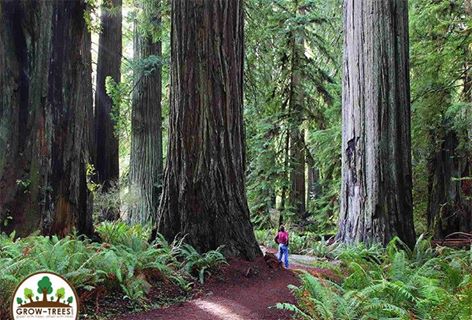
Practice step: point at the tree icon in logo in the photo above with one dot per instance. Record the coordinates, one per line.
(28, 294)
(45, 295)
(44, 289)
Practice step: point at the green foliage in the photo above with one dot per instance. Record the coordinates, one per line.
(200, 265)
(390, 283)
(45, 285)
(28, 293)
(440, 37)
(60, 293)
(307, 242)
(270, 29)
(120, 264)
(114, 199)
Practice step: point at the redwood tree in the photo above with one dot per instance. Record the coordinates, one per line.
(203, 193)
(449, 186)
(106, 157)
(297, 135)
(376, 199)
(45, 83)
(146, 124)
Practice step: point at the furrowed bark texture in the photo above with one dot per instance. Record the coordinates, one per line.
(106, 157)
(146, 127)
(376, 199)
(44, 82)
(204, 195)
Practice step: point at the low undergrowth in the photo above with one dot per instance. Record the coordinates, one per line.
(389, 283)
(299, 243)
(124, 263)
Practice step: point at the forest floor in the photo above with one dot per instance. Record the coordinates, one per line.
(242, 290)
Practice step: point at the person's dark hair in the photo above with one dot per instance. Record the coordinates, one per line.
(281, 229)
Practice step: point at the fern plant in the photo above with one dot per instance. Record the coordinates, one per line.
(200, 265)
(390, 283)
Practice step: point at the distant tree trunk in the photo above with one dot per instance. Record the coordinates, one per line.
(204, 194)
(108, 65)
(297, 135)
(146, 131)
(449, 204)
(44, 82)
(376, 199)
(450, 169)
(283, 196)
(313, 188)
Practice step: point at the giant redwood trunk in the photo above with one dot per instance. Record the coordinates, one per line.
(44, 86)
(146, 125)
(106, 157)
(376, 199)
(203, 194)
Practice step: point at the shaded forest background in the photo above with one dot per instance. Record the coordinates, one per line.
(292, 111)
(143, 142)
(292, 114)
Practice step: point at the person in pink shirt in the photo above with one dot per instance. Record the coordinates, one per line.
(282, 239)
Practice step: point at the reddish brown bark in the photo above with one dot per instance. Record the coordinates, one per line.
(203, 194)
(44, 83)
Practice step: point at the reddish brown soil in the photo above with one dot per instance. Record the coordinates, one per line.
(241, 291)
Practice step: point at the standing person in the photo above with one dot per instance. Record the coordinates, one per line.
(282, 239)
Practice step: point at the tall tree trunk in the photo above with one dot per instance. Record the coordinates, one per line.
(283, 196)
(108, 65)
(204, 194)
(450, 168)
(449, 204)
(44, 82)
(297, 135)
(313, 187)
(376, 199)
(146, 130)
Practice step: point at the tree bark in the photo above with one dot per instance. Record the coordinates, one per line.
(297, 135)
(44, 82)
(204, 194)
(450, 168)
(283, 195)
(376, 199)
(449, 204)
(146, 124)
(108, 64)
(313, 178)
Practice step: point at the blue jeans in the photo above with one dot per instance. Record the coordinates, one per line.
(283, 252)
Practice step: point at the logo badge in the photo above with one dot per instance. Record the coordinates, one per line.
(45, 295)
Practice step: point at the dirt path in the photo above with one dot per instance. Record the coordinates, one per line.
(241, 291)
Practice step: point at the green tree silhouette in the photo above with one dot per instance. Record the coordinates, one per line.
(69, 300)
(60, 293)
(19, 300)
(28, 294)
(45, 287)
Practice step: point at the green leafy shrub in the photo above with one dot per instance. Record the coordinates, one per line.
(299, 243)
(198, 264)
(125, 262)
(390, 283)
